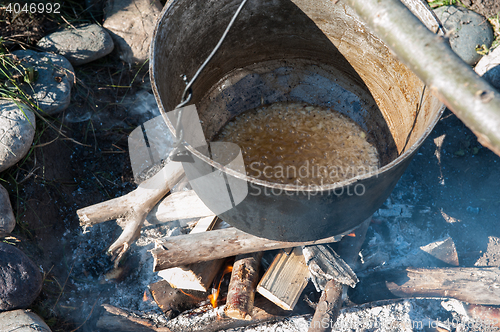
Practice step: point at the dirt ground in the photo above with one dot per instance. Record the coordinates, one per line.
(487, 8)
(452, 176)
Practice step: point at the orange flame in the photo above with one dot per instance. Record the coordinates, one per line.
(215, 292)
(145, 297)
(352, 234)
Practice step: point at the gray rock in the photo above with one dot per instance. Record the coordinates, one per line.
(131, 24)
(17, 129)
(52, 88)
(489, 68)
(467, 31)
(20, 280)
(22, 321)
(7, 219)
(82, 45)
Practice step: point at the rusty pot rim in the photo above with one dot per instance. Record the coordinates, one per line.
(285, 187)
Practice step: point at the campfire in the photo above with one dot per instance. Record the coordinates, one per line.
(220, 277)
(219, 266)
(244, 280)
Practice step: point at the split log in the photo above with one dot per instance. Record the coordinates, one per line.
(241, 291)
(328, 307)
(133, 207)
(195, 248)
(178, 206)
(444, 250)
(116, 319)
(467, 284)
(324, 265)
(172, 301)
(198, 276)
(285, 279)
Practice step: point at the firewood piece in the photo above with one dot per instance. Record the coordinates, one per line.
(241, 291)
(177, 206)
(221, 243)
(444, 250)
(328, 308)
(489, 315)
(196, 276)
(285, 279)
(133, 207)
(468, 284)
(324, 265)
(116, 319)
(208, 319)
(171, 300)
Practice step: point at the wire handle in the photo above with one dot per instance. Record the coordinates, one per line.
(179, 154)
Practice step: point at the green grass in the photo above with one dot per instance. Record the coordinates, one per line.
(439, 3)
(495, 23)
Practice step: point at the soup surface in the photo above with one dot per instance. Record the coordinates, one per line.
(297, 143)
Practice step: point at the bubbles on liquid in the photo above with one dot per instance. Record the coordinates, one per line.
(287, 136)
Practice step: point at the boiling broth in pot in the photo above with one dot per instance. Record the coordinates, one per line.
(302, 144)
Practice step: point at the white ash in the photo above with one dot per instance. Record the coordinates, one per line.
(387, 316)
(128, 291)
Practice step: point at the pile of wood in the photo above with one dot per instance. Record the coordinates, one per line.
(190, 263)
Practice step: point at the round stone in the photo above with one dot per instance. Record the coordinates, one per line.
(54, 78)
(22, 321)
(20, 279)
(467, 31)
(17, 129)
(7, 219)
(80, 45)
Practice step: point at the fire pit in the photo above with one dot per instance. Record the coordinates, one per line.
(292, 51)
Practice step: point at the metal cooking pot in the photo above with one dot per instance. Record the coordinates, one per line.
(309, 51)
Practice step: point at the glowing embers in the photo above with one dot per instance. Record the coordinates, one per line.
(296, 143)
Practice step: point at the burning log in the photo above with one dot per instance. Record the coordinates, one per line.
(241, 292)
(285, 279)
(467, 284)
(133, 207)
(333, 273)
(197, 276)
(195, 248)
(116, 319)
